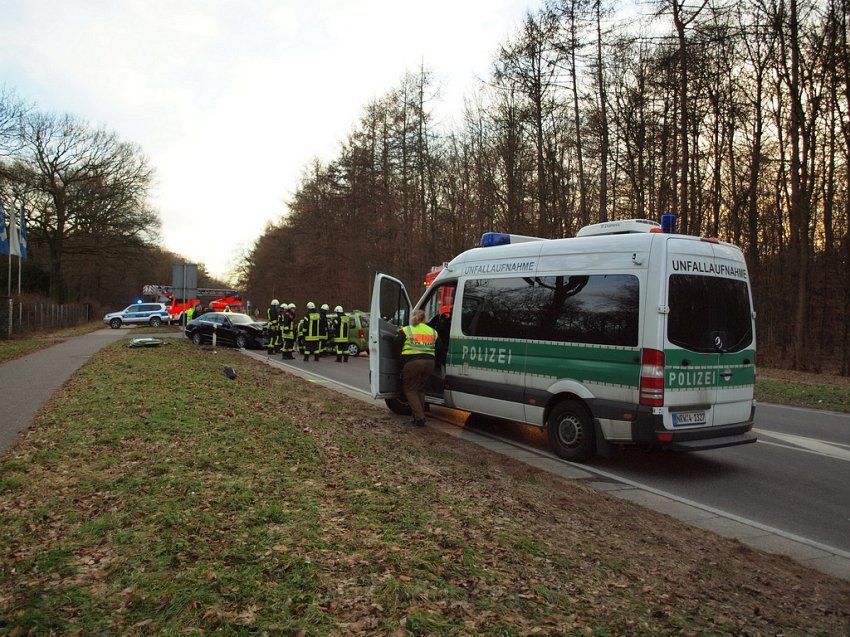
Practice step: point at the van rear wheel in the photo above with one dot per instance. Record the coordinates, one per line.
(398, 406)
(570, 430)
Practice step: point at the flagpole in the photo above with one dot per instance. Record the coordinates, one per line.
(23, 253)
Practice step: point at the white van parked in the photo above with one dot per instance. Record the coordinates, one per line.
(623, 335)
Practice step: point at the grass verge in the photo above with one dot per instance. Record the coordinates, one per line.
(816, 391)
(181, 502)
(15, 347)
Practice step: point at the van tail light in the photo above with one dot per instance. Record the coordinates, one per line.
(360, 334)
(652, 378)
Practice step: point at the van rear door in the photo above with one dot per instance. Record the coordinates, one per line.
(390, 311)
(709, 335)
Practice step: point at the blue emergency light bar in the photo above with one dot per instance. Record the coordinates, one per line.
(490, 239)
(668, 224)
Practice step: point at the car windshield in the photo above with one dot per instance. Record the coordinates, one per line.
(240, 319)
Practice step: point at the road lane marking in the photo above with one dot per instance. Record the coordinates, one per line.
(812, 445)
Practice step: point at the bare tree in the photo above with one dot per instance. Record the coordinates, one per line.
(85, 190)
(682, 19)
(12, 111)
(529, 65)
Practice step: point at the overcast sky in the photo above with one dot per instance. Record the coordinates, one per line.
(230, 99)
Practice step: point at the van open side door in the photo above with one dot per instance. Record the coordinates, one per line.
(390, 311)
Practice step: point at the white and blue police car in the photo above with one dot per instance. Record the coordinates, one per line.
(153, 314)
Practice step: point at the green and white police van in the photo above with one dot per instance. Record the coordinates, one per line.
(627, 334)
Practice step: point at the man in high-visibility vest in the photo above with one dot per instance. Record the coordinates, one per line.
(312, 329)
(287, 331)
(323, 329)
(273, 326)
(340, 334)
(418, 344)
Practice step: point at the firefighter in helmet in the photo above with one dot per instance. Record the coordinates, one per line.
(287, 330)
(340, 334)
(323, 330)
(273, 326)
(312, 327)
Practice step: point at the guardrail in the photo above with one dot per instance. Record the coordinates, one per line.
(19, 318)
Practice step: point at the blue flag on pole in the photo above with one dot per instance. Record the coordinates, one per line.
(23, 246)
(4, 237)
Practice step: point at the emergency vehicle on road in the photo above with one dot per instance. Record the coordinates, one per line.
(626, 334)
(218, 299)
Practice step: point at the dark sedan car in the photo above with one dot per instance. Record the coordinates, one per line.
(231, 328)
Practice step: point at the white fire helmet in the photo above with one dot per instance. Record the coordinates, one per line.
(311, 305)
(338, 309)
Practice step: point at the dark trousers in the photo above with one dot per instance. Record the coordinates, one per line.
(311, 347)
(414, 375)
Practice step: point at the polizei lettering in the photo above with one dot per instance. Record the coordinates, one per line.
(707, 267)
(500, 268)
(695, 378)
(484, 354)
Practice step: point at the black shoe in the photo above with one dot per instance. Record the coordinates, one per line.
(306, 358)
(315, 358)
(417, 422)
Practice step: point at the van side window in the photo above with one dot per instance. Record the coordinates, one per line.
(600, 309)
(709, 314)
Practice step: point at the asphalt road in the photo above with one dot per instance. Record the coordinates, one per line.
(796, 478)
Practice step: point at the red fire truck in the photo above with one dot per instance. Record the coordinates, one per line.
(446, 293)
(216, 299)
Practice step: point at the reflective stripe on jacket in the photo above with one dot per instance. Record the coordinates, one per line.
(287, 325)
(420, 339)
(314, 320)
(341, 329)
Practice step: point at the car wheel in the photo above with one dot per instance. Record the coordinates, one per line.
(155, 321)
(570, 430)
(197, 339)
(353, 349)
(115, 323)
(399, 406)
(241, 341)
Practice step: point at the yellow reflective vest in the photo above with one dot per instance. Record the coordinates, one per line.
(419, 340)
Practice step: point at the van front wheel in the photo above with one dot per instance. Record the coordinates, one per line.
(570, 430)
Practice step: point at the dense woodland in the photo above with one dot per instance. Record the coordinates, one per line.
(732, 116)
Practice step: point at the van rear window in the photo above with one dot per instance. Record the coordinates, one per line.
(709, 314)
(599, 309)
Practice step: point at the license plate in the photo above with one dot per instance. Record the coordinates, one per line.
(688, 418)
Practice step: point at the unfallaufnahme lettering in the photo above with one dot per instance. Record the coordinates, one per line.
(499, 268)
(683, 265)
